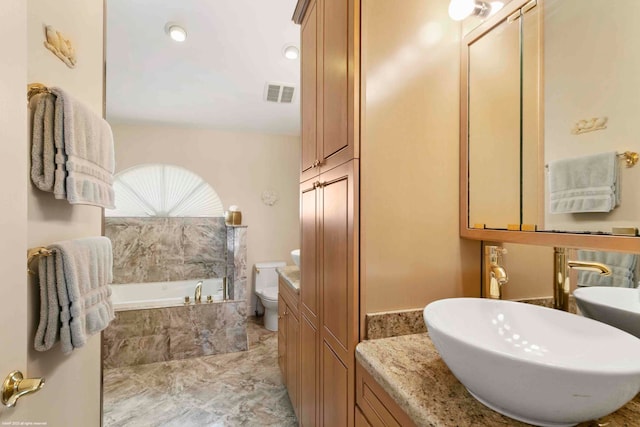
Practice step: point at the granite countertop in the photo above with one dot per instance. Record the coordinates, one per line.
(291, 276)
(411, 371)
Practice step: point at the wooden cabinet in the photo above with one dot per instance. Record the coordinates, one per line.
(329, 280)
(375, 407)
(282, 337)
(309, 373)
(329, 296)
(330, 40)
(289, 343)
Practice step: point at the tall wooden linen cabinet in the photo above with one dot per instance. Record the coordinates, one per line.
(329, 209)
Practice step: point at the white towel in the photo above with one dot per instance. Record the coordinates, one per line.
(42, 141)
(584, 184)
(88, 146)
(75, 297)
(622, 265)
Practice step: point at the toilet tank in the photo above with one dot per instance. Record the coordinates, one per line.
(265, 274)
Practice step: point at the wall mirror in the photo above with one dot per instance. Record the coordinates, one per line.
(547, 116)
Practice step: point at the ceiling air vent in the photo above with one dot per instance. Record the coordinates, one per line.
(279, 92)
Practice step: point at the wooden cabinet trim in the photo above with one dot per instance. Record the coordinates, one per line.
(378, 407)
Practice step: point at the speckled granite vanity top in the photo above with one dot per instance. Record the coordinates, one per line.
(291, 275)
(411, 371)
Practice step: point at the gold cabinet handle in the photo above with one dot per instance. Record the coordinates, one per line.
(15, 386)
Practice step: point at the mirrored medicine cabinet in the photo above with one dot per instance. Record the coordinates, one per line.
(544, 81)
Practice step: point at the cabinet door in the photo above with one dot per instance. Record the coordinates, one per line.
(309, 99)
(361, 420)
(335, 390)
(309, 374)
(340, 96)
(282, 337)
(293, 359)
(339, 284)
(309, 295)
(339, 291)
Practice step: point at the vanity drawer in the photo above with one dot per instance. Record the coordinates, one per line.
(378, 408)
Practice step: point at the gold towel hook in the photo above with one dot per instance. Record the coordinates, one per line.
(36, 252)
(35, 88)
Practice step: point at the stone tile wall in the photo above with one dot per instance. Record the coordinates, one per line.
(167, 249)
(138, 337)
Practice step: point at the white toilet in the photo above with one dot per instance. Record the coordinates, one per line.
(266, 280)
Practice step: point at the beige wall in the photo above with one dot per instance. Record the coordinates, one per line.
(72, 392)
(239, 166)
(411, 252)
(14, 337)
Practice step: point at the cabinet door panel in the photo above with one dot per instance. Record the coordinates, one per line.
(361, 420)
(292, 360)
(334, 389)
(309, 373)
(282, 337)
(336, 76)
(336, 283)
(308, 64)
(308, 252)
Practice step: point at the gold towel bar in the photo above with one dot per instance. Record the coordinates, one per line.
(35, 88)
(36, 252)
(630, 158)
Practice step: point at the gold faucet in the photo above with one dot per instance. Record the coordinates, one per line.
(597, 267)
(561, 267)
(495, 276)
(198, 296)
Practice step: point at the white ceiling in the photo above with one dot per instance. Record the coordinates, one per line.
(216, 77)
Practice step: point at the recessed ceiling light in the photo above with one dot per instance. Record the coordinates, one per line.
(291, 52)
(176, 32)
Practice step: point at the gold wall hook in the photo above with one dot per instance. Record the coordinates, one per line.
(36, 252)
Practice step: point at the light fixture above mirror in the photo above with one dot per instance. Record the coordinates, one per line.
(461, 9)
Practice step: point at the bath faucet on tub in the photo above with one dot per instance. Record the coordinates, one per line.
(198, 295)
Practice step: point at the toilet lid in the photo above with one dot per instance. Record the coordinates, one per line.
(269, 293)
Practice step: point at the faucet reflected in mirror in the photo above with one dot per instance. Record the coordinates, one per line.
(198, 294)
(497, 275)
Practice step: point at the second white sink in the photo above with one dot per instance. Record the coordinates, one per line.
(538, 365)
(295, 256)
(619, 307)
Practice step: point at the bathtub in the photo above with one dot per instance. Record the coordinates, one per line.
(135, 296)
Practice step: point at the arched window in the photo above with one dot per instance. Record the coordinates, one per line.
(157, 190)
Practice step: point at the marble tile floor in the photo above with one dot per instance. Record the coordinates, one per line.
(234, 389)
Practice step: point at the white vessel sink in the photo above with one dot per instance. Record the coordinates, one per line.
(619, 307)
(295, 255)
(538, 365)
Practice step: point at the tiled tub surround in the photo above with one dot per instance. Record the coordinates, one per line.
(411, 371)
(237, 262)
(154, 335)
(167, 249)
